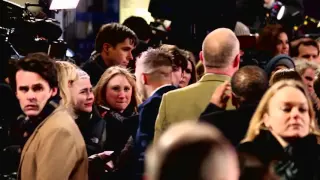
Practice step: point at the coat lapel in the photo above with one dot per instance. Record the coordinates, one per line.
(29, 141)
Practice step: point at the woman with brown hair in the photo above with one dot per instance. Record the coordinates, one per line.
(117, 100)
(283, 131)
(273, 40)
(189, 75)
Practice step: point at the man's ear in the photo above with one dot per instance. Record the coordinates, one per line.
(236, 62)
(234, 100)
(201, 56)
(106, 47)
(144, 78)
(54, 91)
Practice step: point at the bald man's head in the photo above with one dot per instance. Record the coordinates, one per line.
(249, 84)
(191, 151)
(220, 48)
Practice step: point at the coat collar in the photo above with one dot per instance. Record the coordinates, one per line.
(31, 138)
(214, 77)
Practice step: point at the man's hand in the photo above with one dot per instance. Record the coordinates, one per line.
(221, 95)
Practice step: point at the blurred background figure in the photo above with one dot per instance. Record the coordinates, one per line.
(179, 60)
(189, 75)
(191, 151)
(285, 74)
(143, 31)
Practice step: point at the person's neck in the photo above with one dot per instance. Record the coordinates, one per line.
(105, 59)
(153, 86)
(225, 71)
(284, 143)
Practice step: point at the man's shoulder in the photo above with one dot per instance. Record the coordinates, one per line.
(151, 102)
(60, 120)
(183, 91)
(88, 64)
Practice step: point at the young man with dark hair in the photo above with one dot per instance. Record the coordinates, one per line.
(54, 147)
(113, 46)
(307, 50)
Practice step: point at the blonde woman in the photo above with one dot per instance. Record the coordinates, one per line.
(117, 99)
(77, 95)
(283, 131)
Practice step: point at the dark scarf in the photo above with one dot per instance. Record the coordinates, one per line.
(120, 126)
(28, 125)
(299, 160)
(121, 117)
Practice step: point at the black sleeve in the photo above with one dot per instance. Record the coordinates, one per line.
(210, 109)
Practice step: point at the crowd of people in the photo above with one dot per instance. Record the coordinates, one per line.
(138, 112)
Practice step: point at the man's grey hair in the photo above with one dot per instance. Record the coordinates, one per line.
(302, 65)
(153, 60)
(241, 29)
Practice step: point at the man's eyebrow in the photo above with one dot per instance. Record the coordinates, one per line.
(37, 85)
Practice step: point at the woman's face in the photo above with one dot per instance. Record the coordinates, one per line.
(118, 93)
(176, 75)
(288, 115)
(186, 76)
(82, 95)
(282, 46)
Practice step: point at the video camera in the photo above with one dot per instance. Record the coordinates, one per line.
(22, 32)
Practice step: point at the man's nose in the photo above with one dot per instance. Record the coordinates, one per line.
(130, 56)
(31, 95)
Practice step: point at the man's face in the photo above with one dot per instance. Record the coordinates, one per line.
(121, 54)
(308, 52)
(32, 92)
(308, 78)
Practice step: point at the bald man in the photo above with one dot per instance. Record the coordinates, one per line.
(192, 151)
(221, 57)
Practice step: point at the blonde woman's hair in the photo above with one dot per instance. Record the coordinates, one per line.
(256, 123)
(100, 89)
(66, 72)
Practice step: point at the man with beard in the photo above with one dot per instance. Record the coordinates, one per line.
(54, 147)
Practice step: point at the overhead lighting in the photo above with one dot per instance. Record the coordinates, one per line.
(281, 12)
(64, 4)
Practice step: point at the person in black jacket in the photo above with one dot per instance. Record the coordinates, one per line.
(283, 132)
(77, 95)
(154, 78)
(248, 85)
(117, 99)
(113, 46)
